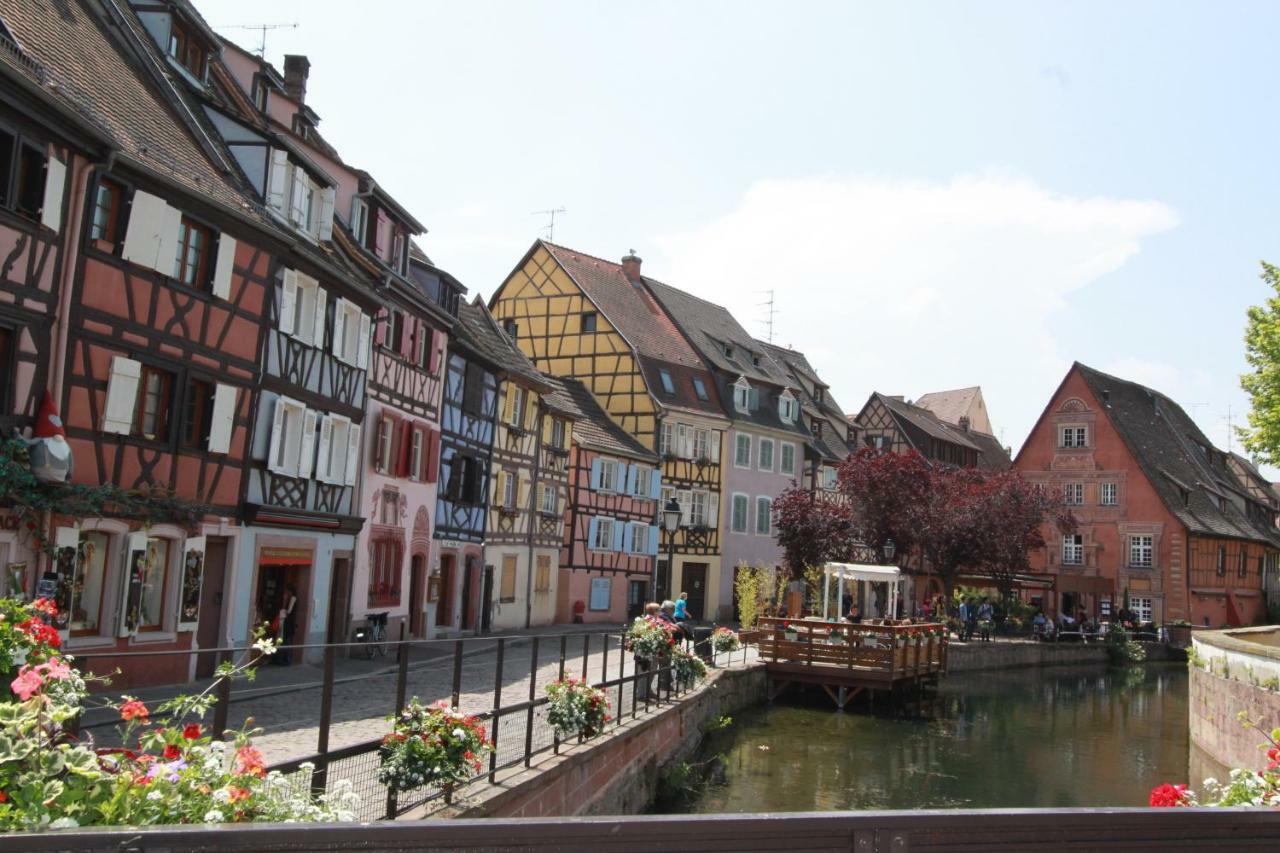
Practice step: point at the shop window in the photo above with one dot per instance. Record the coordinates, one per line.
(384, 573)
(155, 583)
(87, 584)
(507, 587)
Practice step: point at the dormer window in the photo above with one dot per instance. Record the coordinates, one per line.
(186, 50)
(260, 94)
(787, 407)
(512, 329)
(728, 351)
(742, 396)
(668, 387)
(755, 360)
(700, 388)
(359, 219)
(299, 198)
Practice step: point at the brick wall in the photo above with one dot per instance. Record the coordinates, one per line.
(1215, 702)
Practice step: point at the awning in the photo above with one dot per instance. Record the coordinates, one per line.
(861, 572)
(285, 557)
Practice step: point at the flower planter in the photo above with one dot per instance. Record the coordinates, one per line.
(790, 636)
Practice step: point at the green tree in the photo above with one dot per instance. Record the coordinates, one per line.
(1262, 350)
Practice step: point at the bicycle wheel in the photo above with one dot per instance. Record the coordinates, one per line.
(369, 648)
(382, 643)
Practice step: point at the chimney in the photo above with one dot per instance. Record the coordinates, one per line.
(964, 422)
(631, 266)
(296, 69)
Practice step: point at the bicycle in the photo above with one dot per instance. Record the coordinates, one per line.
(374, 634)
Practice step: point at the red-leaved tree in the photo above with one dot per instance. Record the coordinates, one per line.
(1014, 515)
(809, 531)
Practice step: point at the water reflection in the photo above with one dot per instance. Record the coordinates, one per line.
(1031, 738)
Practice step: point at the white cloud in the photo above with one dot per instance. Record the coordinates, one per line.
(912, 286)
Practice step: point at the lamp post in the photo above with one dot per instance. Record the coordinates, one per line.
(671, 515)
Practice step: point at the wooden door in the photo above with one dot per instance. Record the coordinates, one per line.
(444, 616)
(339, 601)
(486, 596)
(417, 582)
(693, 579)
(209, 633)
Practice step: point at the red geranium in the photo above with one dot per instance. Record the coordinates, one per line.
(45, 606)
(134, 710)
(171, 752)
(1166, 795)
(192, 731)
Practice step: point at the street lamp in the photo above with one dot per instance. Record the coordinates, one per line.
(671, 517)
(888, 548)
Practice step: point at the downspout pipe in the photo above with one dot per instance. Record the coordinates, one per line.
(533, 504)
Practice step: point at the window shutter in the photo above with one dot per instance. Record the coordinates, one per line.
(131, 601)
(380, 327)
(618, 528)
(381, 229)
(434, 346)
(222, 423)
(626, 536)
(362, 352)
(142, 237)
(629, 475)
(122, 394)
(276, 180)
(596, 465)
(406, 449)
(653, 540)
(55, 179)
(655, 485)
(383, 425)
(324, 228)
(307, 455)
(522, 493)
(224, 266)
(433, 456)
(508, 403)
(288, 298)
(167, 249)
(713, 510)
(547, 423)
(593, 527)
(298, 197)
(317, 333)
(193, 546)
(340, 320)
(715, 445)
(353, 452)
(277, 437)
(323, 469)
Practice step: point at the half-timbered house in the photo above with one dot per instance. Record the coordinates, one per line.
(611, 535)
(1165, 524)
(469, 413)
(966, 409)
(580, 316)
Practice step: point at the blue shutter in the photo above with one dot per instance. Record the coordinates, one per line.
(618, 528)
(592, 526)
(654, 533)
(631, 478)
(626, 537)
(655, 485)
(595, 474)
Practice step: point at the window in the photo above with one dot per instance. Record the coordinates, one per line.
(1073, 494)
(1141, 607)
(787, 458)
(557, 433)
(828, 477)
(302, 308)
(394, 338)
(601, 590)
(507, 586)
(473, 391)
(291, 418)
(701, 444)
(668, 387)
(350, 333)
(1222, 560)
(7, 360)
(509, 489)
(700, 388)
(642, 483)
(107, 201)
(1074, 436)
(766, 454)
(1073, 549)
(421, 357)
(608, 475)
(382, 450)
(698, 508)
(185, 50)
(603, 539)
(665, 445)
(728, 351)
(742, 451)
(191, 266)
(549, 502)
(338, 453)
(639, 538)
(668, 494)
(738, 519)
(1243, 568)
(197, 414)
(1140, 551)
(542, 577)
(415, 454)
(359, 220)
(588, 321)
(512, 329)
(155, 577)
(154, 401)
(787, 407)
(1107, 494)
(400, 255)
(879, 443)
(22, 175)
(515, 405)
(85, 604)
(384, 573)
(742, 396)
(763, 506)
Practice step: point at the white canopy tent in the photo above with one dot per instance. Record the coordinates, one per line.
(860, 574)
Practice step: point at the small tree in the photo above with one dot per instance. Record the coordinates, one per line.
(1262, 350)
(747, 592)
(809, 531)
(1013, 514)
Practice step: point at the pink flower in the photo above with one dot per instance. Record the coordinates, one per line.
(249, 762)
(56, 670)
(27, 684)
(134, 709)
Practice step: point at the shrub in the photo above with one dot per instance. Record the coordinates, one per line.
(576, 709)
(1121, 649)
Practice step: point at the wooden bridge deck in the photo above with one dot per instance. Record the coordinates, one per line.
(860, 658)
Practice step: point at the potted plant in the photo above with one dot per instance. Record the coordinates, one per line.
(431, 745)
(688, 668)
(789, 632)
(834, 636)
(649, 639)
(725, 640)
(576, 709)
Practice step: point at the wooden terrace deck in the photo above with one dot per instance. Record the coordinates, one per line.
(865, 658)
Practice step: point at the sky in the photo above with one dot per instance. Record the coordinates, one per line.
(936, 195)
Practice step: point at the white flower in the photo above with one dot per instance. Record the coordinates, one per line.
(266, 645)
(155, 795)
(64, 823)
(213, 816)
(459, 733)
(222, 795)
(19, 655)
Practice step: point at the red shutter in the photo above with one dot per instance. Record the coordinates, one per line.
(406, 449)
(425, 460)
(378, 462)
(381, 230)
(380, 328)
(433, 455)
(409, 339)
(433, 350)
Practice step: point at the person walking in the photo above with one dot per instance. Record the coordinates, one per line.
(986, 614)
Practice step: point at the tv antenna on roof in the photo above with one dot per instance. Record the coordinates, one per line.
(768, 305)
(551, 220)
(262, 28)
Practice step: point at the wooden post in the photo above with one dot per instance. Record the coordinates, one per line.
(318, 778)
(497, 710)
(533, 687)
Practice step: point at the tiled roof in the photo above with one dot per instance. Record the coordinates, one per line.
(593, 428)
(1176, 458)
(993, 456)
(1257, 481)
(950, 406)
(808, 378)
(477, 329)
(926, 421)
(86, 69)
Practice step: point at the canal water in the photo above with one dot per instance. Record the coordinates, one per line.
(1054, 737)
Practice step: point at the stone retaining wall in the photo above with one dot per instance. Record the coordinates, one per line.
(616, 774)
(967, 657)
(1236, 670)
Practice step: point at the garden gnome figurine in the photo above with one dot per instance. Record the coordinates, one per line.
(50, 453)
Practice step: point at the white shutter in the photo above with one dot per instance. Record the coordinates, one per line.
(324, 228)
(323, 474)
(194, 545)
(298, 198)
(339, 327)
(317, 332)
(142, 237)
(277, 437)
(685, 498)
(713, 510)
(122, 394)
(362, 354)
(715, 435)
(167, 249)
(55, 179)
(353, 453)
(225, 265)
(134, 542)
(223, 420)
(288, 298)
(276, 180)
(307, 456)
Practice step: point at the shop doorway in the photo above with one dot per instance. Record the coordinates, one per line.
(635, 598)
(663, 588)
(444, 616)
(339, 602)
(417, 582)
(693, 580)
(209, 633)
(277, 579)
